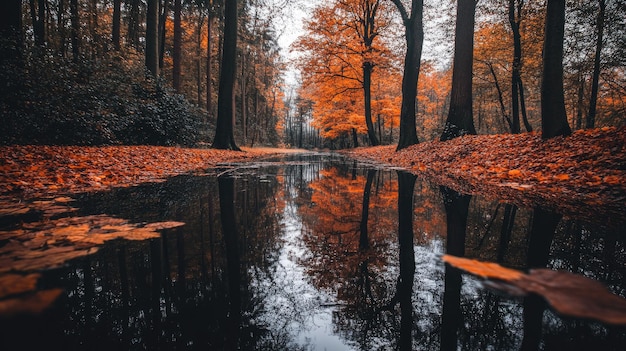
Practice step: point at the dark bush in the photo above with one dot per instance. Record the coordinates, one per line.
(51, 100)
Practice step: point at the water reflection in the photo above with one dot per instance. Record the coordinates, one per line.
(317, 253)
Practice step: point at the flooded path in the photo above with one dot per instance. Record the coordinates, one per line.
(315, 252)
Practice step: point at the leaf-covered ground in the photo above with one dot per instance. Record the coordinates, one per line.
(41, 171)
(583, 175)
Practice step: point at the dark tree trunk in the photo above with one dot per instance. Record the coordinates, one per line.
(152, 37)
(117, 4)
(37, 14)
(133, 23)
(514, 21)
(460, 116)
(369, 8)
(11, 31)
(414, 32)
(553, 115)
(75, 22)
(224, 137)
(209, 90)
(593, 99)
(164, 9)
(178, 39)
(367, 93)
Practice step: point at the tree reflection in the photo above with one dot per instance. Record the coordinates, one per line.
(230, 237)
(540, 238)
(457, 209)
(406, 186)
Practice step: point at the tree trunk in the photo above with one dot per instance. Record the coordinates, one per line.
(162, 30)
(367, 92)
(75, 21)
(460, 115)
(133, 23)
(224, 137)
(593, 99)
(553, 115)
(117, 4)
(178, 39)
(514, 21)
(209, 90)
(152, 37)
(414, 32)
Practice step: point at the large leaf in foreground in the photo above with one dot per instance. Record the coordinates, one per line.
(569, 294)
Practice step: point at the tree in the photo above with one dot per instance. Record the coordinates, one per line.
(460, 116)
(364, 22)
(75, 20)
(224, 137)
(152, 37)
(414, 34)
(176, 58)
(553, 115)
(340, 56)
(593, 99)
(117, 15)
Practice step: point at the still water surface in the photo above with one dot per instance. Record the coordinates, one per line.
(316, 252)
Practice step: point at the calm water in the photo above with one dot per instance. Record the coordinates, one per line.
(315, 252)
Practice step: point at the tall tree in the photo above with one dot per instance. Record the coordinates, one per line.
(460, 115)
(11, 30)
(362, 19)
(152, 37)
(117, 15)
(75, 23)
(414, 34)
(553, 115)
(593, 99)
(224, 137)
(178, 37)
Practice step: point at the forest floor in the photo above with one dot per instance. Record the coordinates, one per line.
(583, 175)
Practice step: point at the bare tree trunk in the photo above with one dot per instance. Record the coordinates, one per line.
(553, 115)
(209, 90)
(75, 20)
(414, 32)
(224, 137)
(162, 31)
(593, 99)
(460, 115)
(117, 4)
(152, 37)
(178, 40)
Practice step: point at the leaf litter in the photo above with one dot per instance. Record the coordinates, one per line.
(582, 175)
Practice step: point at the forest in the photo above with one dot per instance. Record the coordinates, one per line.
(370, 72)
(298, 175)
